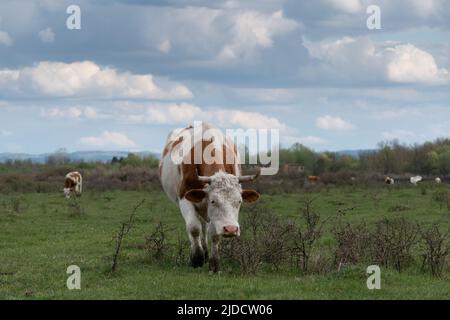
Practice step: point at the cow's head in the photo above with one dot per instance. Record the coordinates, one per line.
(67, 192)
(224, 196)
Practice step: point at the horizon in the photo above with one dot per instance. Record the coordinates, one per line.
(314, 71)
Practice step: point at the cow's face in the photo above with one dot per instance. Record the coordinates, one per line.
(223, 196)
(67, 192)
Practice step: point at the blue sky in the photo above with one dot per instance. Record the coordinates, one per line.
(138, 69)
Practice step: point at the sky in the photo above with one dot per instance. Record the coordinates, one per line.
(138, 69)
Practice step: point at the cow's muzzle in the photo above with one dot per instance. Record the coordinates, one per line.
(230, 231)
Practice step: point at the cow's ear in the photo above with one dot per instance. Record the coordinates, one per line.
(249, 195)
(195, 195)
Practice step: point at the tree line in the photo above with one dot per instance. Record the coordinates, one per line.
(390, 157)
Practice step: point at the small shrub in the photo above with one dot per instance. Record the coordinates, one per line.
(442, 197)
(156, 244)
(352, 243)
(436, 249)
(392, 241)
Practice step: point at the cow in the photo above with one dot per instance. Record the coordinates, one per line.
(389, 180)
(208, 193)
(438, 180)
(415, 180)
(313, 179)
(73, 184)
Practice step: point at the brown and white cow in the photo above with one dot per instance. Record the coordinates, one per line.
(73, 184)
(389, 180)
(202, 175)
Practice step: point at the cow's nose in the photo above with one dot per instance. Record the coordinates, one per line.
(230, 231)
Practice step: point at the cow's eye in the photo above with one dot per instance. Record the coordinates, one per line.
(213, 202)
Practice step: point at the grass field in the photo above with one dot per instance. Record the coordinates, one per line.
(40, 236)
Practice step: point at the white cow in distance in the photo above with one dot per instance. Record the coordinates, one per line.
(415, 180)
(438, 180)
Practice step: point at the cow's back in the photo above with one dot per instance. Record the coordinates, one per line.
(178, 178)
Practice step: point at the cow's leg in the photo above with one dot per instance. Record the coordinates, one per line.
(194, 230)
(80, 188)
(214, 260)
(205, 239)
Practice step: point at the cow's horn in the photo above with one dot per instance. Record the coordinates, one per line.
(250, 177)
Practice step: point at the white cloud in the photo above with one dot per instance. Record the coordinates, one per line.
(247, 120)
(396, 114)
(5, 39)
(398, 134)
(5, 133)
(251, 30)
(165, 46)
(186, 113)
(333, 123)
(59, 79)
(408, 64)
(347, 6)
(361, 58)
(47, 35)
(70, 113)
(165, 114)
(307, 140)
(108, 140)
(427, 8)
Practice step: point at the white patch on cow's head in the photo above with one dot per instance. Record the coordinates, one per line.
(67, 192)
(224, 201)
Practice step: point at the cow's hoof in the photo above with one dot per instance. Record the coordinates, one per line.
(214, 265)
(198, 259)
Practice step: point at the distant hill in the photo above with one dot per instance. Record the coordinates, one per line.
(105, 156)
(77, 156)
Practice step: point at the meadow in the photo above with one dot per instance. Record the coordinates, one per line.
(41, 234)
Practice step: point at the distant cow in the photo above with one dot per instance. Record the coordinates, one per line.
(389, 180)
(415, 180)
(73, 184)
(438, 180)
(208, 193)
(313, 179)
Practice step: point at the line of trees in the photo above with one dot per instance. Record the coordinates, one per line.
(430, 158)
(392, 157)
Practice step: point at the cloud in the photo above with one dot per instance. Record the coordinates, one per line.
(165, 46)
(363, 59)
(252, 30)
(347, 6)
(165, 114)
(187, 113)
(84, 79)
(5, 133)
(108, 140)
(47, 35)
(5, 39)
(70, 113)
(394, 114)
(398, 134)
(333, 123)
(307, 140)
(408, 64)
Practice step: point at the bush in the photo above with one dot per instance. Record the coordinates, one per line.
(392, 241)
(436, 248)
